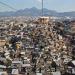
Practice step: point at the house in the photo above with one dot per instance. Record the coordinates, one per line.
(15, 72)
(43, 20)
(38, 73)
(16, 66)
(2, 41)
(70, 68)
(3, 70)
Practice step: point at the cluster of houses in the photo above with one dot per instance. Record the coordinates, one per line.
(43, 47)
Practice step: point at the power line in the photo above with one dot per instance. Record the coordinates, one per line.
(7, 5)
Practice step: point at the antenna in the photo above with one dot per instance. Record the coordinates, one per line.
(42, 8)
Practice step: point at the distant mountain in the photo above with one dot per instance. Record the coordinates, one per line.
(36, 12)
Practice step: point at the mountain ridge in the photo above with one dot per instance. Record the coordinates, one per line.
(36, 12)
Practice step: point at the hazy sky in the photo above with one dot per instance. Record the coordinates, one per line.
(58, 5)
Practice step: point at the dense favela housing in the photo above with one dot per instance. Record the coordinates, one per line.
(37, 46)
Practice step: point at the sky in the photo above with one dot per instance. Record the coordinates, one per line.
(58, 5)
